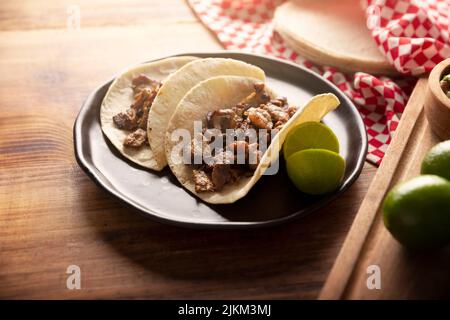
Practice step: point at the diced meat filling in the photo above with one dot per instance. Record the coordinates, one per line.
(202, 181)
(126, 120)
(254, 156)
(221, 119)
(220, 175)
(136, 139)
(260, 118)
(134, 119)
(143, 80)
(240, 158)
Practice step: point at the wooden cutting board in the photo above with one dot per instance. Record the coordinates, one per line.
(403, 274)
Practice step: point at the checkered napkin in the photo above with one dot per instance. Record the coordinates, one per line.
(413, 34)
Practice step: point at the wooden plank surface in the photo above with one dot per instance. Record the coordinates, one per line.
(404, 274)
(52, 215)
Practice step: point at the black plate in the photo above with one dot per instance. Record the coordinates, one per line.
(272, 200)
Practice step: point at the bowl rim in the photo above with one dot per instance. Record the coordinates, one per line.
(433, 82)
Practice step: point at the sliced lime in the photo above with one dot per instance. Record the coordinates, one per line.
(316, 171)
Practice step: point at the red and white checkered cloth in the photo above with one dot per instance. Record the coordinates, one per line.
(413, 34)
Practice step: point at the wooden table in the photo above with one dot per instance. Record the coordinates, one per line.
(52, 215)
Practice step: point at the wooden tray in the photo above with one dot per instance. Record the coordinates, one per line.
(404, 274)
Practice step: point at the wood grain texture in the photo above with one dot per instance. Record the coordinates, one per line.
(404, 274)
(52, 215)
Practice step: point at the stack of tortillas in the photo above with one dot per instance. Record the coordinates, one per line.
(331, 33)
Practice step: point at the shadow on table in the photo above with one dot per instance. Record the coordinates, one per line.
(306, 246)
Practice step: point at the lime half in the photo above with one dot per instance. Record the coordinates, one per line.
(316, 171)
(310, 135)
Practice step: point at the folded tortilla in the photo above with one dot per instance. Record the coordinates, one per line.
(225, 92)
(177, 85)
(119, 98)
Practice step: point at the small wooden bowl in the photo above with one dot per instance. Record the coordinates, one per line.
(437, 104)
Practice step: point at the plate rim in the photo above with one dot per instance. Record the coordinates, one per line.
(90, 170)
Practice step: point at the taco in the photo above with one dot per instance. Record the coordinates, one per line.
(125, 108)
(239, 107)
(177, 85)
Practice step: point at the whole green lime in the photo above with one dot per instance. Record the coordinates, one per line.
(310, 135)
(417, 212)
(437, 160)
(316, 171)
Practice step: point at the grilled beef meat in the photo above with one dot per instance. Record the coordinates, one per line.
(220, 175)
(254, 156)
(136, 139)
(136, 116)
(221, 119)
(260, 118)
(240, 158)
(143, 80)
(202, 181)
(126, 120)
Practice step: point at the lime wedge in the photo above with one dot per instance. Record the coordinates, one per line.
(310, 135)
(316, 171)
